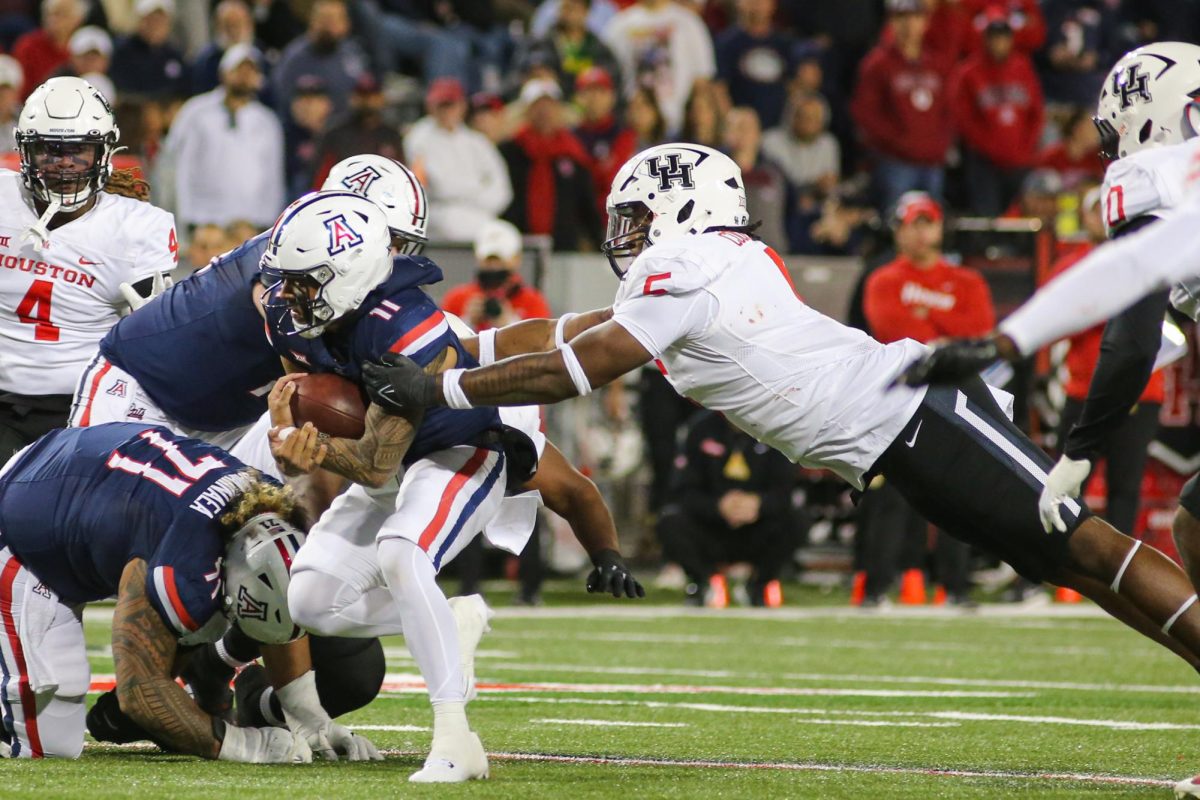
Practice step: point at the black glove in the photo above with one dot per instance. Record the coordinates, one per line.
(398, 384)
(950, 362)
(611, 575)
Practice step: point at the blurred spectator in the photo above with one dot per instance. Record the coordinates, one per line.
(811, 161)
(11, 81)
(232, 24)
(645, 119)
(91, 49)
(241, 230)
(226, 150)
(1038, 198)
(1124, 452)
(902, 108)
(307, 120)
(363, 130)
(552, 185)
(326, 51)
(570, 48)
(1079, 51)
(998, 111)
(702, 117)
(464, 175)
(146, 63)
(731, 501)
(608, 143)
(44, 50)
(1025, 17)
(755, 61)
(276, 25)
(405, 31)
(917, 296)
(497, 296)
(489, 116)
(665, 46)
(598, 16)
(208, 242)
(766, 189)
(1076, 156)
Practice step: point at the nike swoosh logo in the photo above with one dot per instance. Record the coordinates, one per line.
(913, 440)
(83, 262)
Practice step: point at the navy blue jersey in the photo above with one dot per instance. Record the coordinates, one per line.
(80, 503)
(397, 317)
(199, 350)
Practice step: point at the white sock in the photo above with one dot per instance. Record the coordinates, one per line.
(429, 628)
(450, 719)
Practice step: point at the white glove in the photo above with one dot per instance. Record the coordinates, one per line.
(158, 284)
(1063, 483)
(264, 746)
(1185, 297)
(305, 716)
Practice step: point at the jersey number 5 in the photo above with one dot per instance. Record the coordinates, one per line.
(189, 471)
(34, 309)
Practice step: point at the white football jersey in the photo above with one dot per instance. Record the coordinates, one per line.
(719, 313)
(57, 304)
(1151, 181)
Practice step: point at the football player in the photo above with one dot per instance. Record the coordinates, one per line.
(67, 248)
(184, 536)
(370, 565)
(716, 307)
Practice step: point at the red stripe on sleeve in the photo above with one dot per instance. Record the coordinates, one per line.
(173, 595)
(416, 333)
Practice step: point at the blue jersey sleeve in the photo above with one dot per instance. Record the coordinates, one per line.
(183, 578)
(417, 329)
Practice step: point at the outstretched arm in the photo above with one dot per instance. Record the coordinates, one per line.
(534, 335)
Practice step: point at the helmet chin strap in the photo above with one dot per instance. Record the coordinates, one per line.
(37, 233)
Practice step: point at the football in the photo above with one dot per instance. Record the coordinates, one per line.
(334, 405)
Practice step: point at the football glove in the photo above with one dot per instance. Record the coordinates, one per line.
(264, 746)
(308, 720)
(158, 284)
(950, 362)
(398, 385)
(611, 575)
(1064, 482)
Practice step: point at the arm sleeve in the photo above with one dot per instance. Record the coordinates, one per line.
(183, 578)
(1107, 281)
(1127, 354)
(658, 321)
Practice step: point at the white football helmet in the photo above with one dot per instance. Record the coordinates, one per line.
(393, 187)
(326, 253)
(1149, 99)
(66, 118)
(668, 191)
(258, 566)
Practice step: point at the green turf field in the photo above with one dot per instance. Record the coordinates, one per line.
(620, 700)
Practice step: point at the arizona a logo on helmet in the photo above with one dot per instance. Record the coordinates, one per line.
(342, 237)
(360, 182)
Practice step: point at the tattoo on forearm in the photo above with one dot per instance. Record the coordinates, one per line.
(534, 378)
(143, 652)
(375, 457)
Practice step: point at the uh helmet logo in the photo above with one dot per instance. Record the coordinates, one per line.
(342, 237)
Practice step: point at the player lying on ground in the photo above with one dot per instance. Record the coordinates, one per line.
(338, 299)
(716, 307)
(182, 534)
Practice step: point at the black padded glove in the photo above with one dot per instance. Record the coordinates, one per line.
(611, 575)
(950, 362)
(398, 384)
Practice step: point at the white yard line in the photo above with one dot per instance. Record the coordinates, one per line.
(392, 728)
(609, 723)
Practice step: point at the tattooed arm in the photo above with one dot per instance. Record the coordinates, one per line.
(143, 652)
(537, 335)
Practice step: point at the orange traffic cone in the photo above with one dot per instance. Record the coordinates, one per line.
(718, 592)
(939, 595)
(858, 589)
(912, 588)
(773, 594)
(1065, 595)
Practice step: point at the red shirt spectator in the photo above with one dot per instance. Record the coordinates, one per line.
(998, 107)
(44, 50)
(920, 295)
(497, 296)
(1085, 347)
(1024, 16)
(900, 103)
(608, 143)
(1076, 158)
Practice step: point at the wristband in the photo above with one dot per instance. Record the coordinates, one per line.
(455, 396)
(560, 329)
(575, 370)
(284, 433)
(487, 347)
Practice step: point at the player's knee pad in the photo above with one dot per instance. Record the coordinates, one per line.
(310, 600)
(349, 672)
(406, 567)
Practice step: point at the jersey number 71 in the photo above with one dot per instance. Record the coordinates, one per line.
(189, 471)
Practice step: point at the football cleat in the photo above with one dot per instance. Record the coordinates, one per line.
(472, 618)
(1188, 788)
(454, 760)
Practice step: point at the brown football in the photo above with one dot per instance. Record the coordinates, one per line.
(334, 405)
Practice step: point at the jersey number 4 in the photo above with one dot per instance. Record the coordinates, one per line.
(34, 309)
(188, 471)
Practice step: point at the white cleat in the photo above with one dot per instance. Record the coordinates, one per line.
(458, 761)
(1188, 788)
(473, 619)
